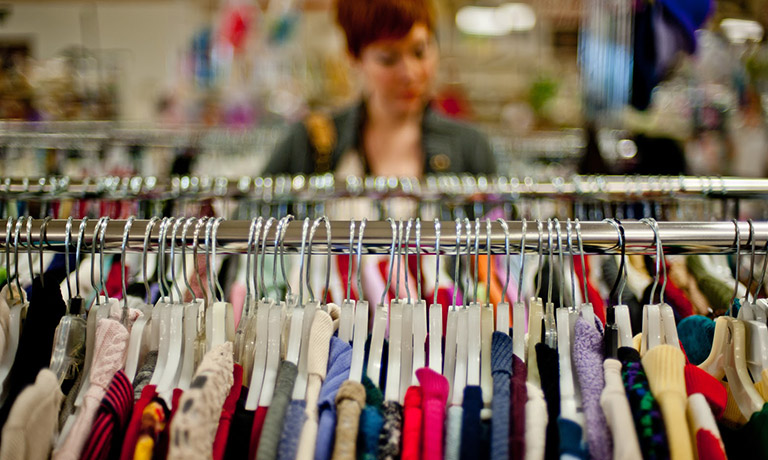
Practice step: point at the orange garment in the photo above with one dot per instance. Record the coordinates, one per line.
(484, 276)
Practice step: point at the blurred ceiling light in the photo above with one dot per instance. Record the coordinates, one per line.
(495, 21)
(742, 30)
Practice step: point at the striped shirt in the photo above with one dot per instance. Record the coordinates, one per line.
(106, 437)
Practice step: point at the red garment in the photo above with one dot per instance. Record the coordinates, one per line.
(677, 298)
(258, 424)
(111, 420)
(434, 389)
(220, 442)
(412, 424)
(161, 448)
(342, 262)
(598, 304)
(132, 433)
(708, 446)
(699, 381)
(114, 283)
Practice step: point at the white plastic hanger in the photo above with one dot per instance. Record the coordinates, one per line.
(569, 401)
(360, 329)
(138, 341)
(621, 311)
(192, 311)
(249, 304)
(667, 315)
(653, 331)
(16, 304)
(222, 314)
(757, 331)
(276, 312)
(451, 329)
(474, 311)
(347, 313)
(518, 310)
(263, 309)
(486, 327)
(587, 310)
(381, 318)
(163, 308)
(172, 371)
(436, 314)
(535, 312)
(550, 328)
(295, 308)
(394, 368)
(419, 315)
(406, 336)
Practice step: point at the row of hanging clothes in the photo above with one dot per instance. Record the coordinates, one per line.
(126, 339)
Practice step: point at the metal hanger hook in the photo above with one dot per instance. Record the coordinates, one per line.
(458, 259)
(359, 258)
(302, 254)
(523, 231)
(505, 227)
(392, 249)
(407, 243)
(418, 258)
(145, 249)
(188, 223)
(67, 243)
(738, 263)
(751, 258)
(8, 232)
(123, 246)
(214, 240)
(540, 250)
(312, 231)
(175, 280)
(581, 256)
(437, 261)
(351, 250)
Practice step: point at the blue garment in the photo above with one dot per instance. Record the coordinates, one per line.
(292, 425)
(501, 370)
(339, 362)
(471, 429)
(696, 333)
(571, 445)
(371, 422)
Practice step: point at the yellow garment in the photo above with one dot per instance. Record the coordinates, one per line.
(733, 416)
(144, 447)
(762, 385)
(152, 424)
(637, 340)
(664, 365)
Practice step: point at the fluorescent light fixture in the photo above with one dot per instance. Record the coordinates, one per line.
(495, 21)
(742, 30)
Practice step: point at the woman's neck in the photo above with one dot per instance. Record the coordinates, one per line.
(380, 115)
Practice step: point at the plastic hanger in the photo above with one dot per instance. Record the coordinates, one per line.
(419, 315)
(549, 334)
(138, 342)
(748, 311)
(394, 366)
(347, 314)
(264, 306)
(360, 330)
(300, 387)
(761, 305)
(406, 336)
(249, 304)
(757, 331)
(652, 326)
(381, 317)
(251, 327)
(668, 324)
(536, 310)
(502, 309)
(619, 314)
(162, 311)
(464, 346)
(436, 314)
(275, 323)
(569, 403)
(17, 304)
(222, 314)
(518, 310)
(486, 327)
(177, 307)
(296, 328)
(474, 310)
(587, 310)
(451, 327)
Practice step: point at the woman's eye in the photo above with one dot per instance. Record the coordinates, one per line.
(388, 59)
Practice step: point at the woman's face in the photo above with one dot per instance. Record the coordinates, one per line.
(399, 73)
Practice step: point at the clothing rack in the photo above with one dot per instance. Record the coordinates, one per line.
(232, 237)
(326, 187)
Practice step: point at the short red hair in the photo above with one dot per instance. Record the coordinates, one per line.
(367, 21)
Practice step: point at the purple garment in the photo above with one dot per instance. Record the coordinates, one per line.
(292, 425)
(517, 411)
(339, 362)
(588, 361)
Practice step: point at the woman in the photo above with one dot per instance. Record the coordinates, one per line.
(392, 131)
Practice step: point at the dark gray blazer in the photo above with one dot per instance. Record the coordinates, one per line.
(450, 146)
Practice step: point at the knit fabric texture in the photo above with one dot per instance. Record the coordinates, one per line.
(350, 401)
(750, 440)
(412, 423)
(588, 362)
(664, 366)
(273, 422)
(471, 430)
(391, 434)
(453, 433)
(549, 370)
(134, 424)
(371, 422)
(290, 435)
(194, 426)
(227, 413)
(649, 424)
(239, 437)
(434, 391)
(618, 415)
(709, 446)
(696, 334)
(339, 362)
(317, 366)
(703, 427)
(144, 373)
(108, 357)
(519, 398)
(108, 428)
(571, 443)
(46, 307)
(501, 370)
(33, 421)
(536, 419)
(699, 381)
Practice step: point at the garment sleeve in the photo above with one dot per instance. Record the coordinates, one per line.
(292, 154)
